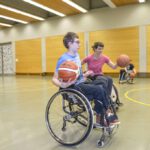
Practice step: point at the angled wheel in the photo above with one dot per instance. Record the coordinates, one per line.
(115, 97)
(129, 79)
(69, 117)
(114, 94)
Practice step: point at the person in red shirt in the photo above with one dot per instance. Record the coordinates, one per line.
(95, 63)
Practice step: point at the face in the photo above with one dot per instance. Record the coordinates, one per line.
(74, 46)
(99, 50)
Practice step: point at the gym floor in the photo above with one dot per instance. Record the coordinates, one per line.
(23, 101)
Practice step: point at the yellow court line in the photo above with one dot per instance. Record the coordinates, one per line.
(134, 100)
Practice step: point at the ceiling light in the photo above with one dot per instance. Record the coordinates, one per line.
(20, 12)
(6, 25)
(45, 8)
(110, 3)
(75, 5)
(141, 1)
(13, 19)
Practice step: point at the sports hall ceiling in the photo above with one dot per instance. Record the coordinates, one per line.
(60, 6)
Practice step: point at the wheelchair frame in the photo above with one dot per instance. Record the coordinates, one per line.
(76, 109)
(125, 78)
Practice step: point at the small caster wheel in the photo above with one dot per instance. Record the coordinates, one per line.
(120, 104)
(117, 107)
(63, 129)
(100, 143)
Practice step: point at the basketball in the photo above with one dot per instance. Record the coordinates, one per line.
(123, 60)
(132, 75)
(68, 71)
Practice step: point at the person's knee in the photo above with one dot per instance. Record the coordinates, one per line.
(110, 80)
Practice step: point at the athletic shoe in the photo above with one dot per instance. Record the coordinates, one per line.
(113, 119)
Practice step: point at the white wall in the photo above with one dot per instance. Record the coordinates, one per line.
(104, 18)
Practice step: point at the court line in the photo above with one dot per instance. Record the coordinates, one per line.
(134, 100)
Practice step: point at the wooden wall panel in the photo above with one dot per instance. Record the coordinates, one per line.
(28, 54)
(118, 41)
(148, 49)
(55, 48)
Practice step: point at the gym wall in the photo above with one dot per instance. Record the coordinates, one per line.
(28, 56)
(116, 42)
(148, 49)
(117, 28)
(55, 48)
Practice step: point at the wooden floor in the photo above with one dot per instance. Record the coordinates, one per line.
(23, 101)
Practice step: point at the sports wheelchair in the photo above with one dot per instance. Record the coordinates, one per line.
(70, 118)
(124, 77)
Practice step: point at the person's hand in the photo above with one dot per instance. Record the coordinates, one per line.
(67, 84)
(89, 73)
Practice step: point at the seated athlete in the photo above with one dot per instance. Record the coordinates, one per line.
(92, 92)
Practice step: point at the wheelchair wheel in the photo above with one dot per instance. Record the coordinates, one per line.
(115, 97)
(69, 117)
(129, 79)
(114, 94)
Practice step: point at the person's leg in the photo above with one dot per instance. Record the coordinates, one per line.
(110, 84)
(101, 80)
(106, 83)
(122, 75)
(96, 93)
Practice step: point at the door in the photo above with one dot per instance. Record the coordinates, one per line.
(6, 59)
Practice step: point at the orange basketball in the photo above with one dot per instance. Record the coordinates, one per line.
(68, 71)
(132, 75)
(123, 60)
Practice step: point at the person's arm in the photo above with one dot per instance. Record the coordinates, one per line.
(112, 65)
(82, 62)
(88, 73)
(59, 83)
(55, 80)
(126, 69)
(85, 60)
(134, 70)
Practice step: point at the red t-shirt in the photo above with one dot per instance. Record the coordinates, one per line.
(96, 64)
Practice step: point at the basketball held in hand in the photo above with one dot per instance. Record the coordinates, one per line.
(132, 75)
(123, 60)
(68, 71)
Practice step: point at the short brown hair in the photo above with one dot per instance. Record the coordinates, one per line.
(69, 37)
(97, 44)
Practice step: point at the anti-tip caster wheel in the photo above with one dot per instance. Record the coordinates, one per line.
(100, 143)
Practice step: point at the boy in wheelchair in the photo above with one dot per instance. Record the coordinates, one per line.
(91, 91)
(127, 74)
